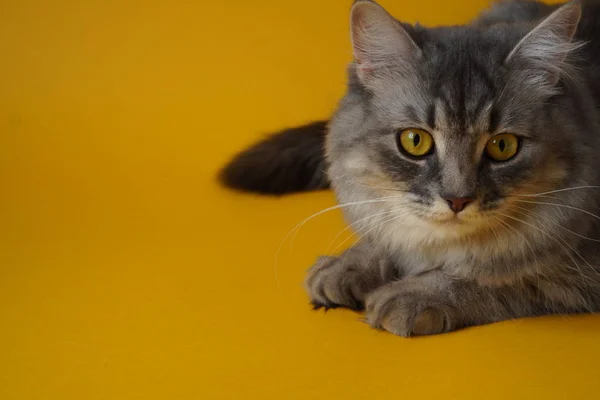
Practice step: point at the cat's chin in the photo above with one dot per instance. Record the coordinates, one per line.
(451, 222)
(422, 232)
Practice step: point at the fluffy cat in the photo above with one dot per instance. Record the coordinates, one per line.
(466, 159)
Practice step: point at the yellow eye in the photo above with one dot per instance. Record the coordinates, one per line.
(415, 142)
(502, 147)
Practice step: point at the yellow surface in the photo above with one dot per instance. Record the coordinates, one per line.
(127, 273)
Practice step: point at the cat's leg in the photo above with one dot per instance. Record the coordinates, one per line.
(344, 281)
(436, 302)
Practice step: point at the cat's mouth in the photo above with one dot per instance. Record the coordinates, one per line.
(453, 219)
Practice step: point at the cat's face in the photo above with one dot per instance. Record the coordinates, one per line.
(454, 126)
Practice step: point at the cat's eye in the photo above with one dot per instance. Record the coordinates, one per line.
(502, 147)
(415, 142)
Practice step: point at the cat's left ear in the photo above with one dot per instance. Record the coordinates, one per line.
(545, 48)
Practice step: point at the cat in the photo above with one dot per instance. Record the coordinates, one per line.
(466, 158)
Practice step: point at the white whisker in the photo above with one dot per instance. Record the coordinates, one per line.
(561, 205)
(377, 226)
(562, 190)
(524, 239)
(493, 230)
(556, 240)
(507, 226)
(379, 188)
(350, 226)
(354, 203)
(296, 228)
(549, 220)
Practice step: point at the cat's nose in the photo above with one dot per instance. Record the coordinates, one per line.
(457, 204)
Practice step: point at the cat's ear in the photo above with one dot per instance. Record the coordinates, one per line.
(378, 40)
(547, 46)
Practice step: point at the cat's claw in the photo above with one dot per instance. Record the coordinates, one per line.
(316, 306)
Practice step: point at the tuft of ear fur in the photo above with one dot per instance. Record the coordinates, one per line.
(378, 40)
(289, 161)
(544, 50)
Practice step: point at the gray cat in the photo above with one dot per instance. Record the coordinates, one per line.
(467, 160)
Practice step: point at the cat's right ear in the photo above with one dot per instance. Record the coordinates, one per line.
(379, 41)
(541, 57)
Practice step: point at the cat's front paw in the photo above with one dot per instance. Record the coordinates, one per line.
(337, 282)
(406, 309)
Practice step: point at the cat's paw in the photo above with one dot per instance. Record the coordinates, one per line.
(405, 309)
(336, 282)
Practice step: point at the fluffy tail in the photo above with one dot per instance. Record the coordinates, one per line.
(289, 161)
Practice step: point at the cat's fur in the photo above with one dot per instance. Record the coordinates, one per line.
(528, 245)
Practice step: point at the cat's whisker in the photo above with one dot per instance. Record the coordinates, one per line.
(378, 245)
(561, 205)
(534, 221)
(351, 226)
(527, 196)
(499, 221)
(537, 215)
(296, 228)
(545, 196)
(523, 237)
(509, 228)
(380, 188)
(527, 241)
(350, 204)
(577, 268)
(506, 226)
(533, 218)
(372, 228)
(491, 227)
(562, 190)
(556, 239)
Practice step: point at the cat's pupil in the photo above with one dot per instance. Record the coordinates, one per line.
(502, 145)
(417, 140)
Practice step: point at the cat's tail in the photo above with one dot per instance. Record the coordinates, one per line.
(292, 160)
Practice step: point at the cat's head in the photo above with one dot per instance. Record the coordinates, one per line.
(454, 124)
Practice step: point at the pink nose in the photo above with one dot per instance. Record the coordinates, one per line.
(457, 204)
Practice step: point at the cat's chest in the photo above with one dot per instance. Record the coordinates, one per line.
(469, 262)
(454, 260)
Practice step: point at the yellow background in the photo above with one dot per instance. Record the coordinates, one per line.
(126, 272)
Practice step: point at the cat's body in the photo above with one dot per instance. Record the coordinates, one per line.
(454, 237)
